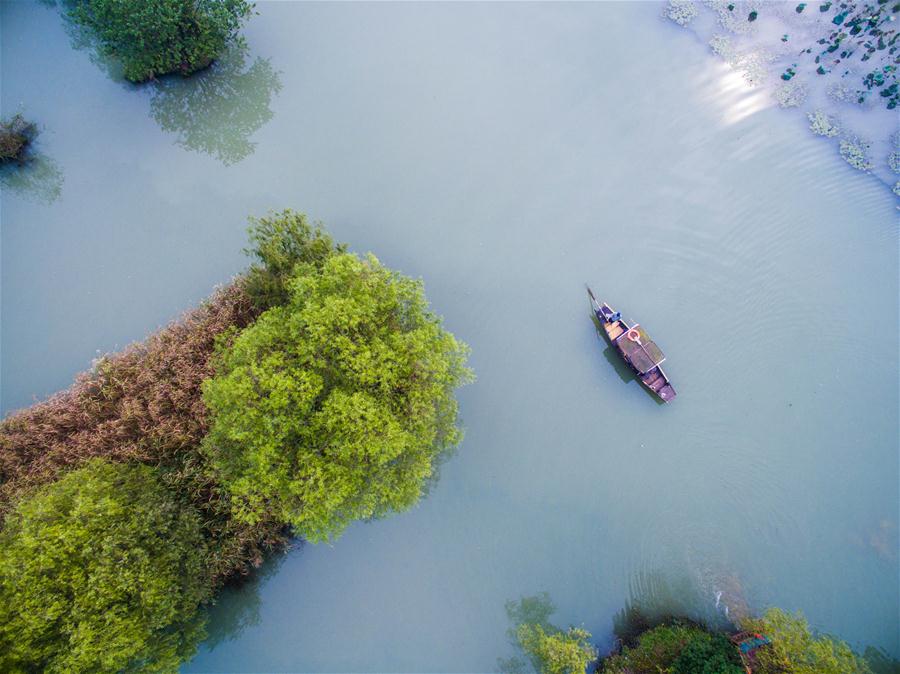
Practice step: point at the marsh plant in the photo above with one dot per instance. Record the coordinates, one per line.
(316, 389)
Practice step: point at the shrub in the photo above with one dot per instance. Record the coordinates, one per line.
(794, 649)
(338, 405)
(156, 37)
(101, 571)
(679, 649)
(15, 135)
(279, 242)
(555, 651)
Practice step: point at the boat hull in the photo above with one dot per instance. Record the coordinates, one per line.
(615, 328)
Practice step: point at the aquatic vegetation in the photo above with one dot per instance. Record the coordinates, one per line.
(549, 649)
(278, 243)
(144, 404)
(218, 110)
(156, 37)
(791, 94)
(822, 125)
(15, 135)
(844, 54)
(336, 406)
(101, 571)
(383, 417)
(795, 650)
(677, 647)
(681, 12)
(557, 652)
(856, 153)
(34, 176)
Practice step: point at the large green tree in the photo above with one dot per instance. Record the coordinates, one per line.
(101, 571)
(337, 405)
(156, 37)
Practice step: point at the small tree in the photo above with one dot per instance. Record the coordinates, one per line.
(15, 135)
(101, 571)
(337, 405)
(156, 37)
(795, 650)
(555, 651)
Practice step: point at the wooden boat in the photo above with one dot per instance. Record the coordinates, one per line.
(636, 348)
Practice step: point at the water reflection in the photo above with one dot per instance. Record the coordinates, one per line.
(83, 39)
(237, 605)
(533, 610)
(37, 177)
(217, 110)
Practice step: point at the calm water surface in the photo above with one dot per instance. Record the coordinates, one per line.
(507, 153)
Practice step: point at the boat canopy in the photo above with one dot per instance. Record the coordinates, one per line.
(643, 353)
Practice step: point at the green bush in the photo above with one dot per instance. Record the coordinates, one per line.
(338, 405)
(794, 649)
(708, 653)
(557, 652)
(15, 135)
(101, 571)
(279, 243)
(678, 649)
(156, 37)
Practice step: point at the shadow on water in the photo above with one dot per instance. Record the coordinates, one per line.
(217, 110)
(237, 605)
(36, 177)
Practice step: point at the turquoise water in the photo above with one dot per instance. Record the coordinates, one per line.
(506, 153)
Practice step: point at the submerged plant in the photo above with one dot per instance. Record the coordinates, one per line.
(822, 125)
(681, 12)
(856, 153)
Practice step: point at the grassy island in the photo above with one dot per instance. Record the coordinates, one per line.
(312, 391)
(158, 37)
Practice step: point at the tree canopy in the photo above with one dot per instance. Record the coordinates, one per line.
(795, 650)
(556, 652)
(337, 405)
(101, 571)
(155, 37)
(677, 648)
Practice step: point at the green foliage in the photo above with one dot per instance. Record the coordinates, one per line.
(549, 649)
(557, 652)
(676, 649)
(101, 571)
(337, 405)
(795, 650)
(155, 37)
(708, 653)
(279, 243)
